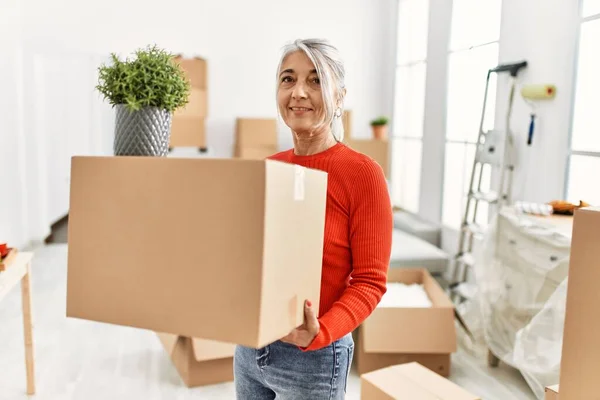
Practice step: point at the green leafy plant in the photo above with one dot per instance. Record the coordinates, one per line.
(151, 79)
(379, 121)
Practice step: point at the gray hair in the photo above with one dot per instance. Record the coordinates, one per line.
(330, 70)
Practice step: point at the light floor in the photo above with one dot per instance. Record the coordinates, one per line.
(91, 361)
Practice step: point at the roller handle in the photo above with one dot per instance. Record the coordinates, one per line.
(512, 68)
(531, 129)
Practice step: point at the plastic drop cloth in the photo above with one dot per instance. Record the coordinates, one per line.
(519, 309)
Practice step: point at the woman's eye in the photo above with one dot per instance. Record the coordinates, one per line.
(286, 79)
(316, 81)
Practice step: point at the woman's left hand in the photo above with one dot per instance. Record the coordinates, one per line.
(305, 333)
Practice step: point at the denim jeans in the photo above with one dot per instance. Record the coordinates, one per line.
(282, 371)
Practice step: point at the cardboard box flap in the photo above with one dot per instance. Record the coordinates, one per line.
(551, 393)
(168, 340)
(415, 382)
(205, 350)
(553, 389)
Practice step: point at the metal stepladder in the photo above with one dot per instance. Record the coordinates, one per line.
(495, 149)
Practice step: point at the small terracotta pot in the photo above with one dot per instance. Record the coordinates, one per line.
(380, 131)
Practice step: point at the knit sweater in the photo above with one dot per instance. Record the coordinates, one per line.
(357, 242)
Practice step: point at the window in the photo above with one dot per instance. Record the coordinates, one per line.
(584, 157)
(409, 103)
(474, 39)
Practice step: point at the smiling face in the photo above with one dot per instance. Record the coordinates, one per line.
(299, 95)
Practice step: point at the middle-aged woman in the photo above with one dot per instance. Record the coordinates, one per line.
(313, 361)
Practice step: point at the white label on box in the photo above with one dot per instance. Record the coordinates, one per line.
(299, 184)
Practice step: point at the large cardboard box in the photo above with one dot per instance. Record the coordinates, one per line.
(551, 393)
(199, 362)
(581, 349)
(412, 330)
(378, 150)
(219, 249)
(255, 132)
(368, 362)
(410, 381)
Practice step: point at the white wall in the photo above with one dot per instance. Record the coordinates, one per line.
(240, 39)
(48, 76)
(545, 33)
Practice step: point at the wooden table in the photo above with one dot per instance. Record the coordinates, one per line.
(19, 270)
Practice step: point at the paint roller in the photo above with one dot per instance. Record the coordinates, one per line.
(532, 93)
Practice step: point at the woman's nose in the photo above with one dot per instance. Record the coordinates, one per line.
(299, 91)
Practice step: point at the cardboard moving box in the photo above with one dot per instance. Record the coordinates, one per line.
(580, 347)
(196, 70)
(178, 245)
(347, 123)
(368, 362)
(378, 150)
(412, 330)
(410, 381)
(199, 362)
(188, 126)
(190, 131)
(255, 153)
(197, 105)
(255, 132)
(551, 393)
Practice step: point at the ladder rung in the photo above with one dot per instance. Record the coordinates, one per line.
(473, 228)
(467, 259)
(466, 290)
(489, 197)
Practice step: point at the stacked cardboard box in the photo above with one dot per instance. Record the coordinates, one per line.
(199, 362)
(378, 150)
(410, 381)
(219, 249)
(347, 123)
(396, 335)
(580, 349)
(188, 128)
(255, 138)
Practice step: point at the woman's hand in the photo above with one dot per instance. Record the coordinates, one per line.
(305, 333)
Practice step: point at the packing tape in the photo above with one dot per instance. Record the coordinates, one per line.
(299, 183)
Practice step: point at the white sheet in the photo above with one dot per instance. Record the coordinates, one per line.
(403, 295)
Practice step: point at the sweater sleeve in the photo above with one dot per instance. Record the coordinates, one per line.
(371, 224)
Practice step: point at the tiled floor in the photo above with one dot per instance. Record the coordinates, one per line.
(87, 361)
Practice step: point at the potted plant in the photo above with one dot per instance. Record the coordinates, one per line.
(145, 91)
(379, 126)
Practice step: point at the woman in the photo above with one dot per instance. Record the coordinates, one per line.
(313, 361)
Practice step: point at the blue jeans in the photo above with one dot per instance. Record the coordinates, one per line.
(284, 372)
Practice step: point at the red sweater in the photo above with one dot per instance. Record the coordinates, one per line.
(358, 239)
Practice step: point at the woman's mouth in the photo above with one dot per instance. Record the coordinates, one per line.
(300, 110)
